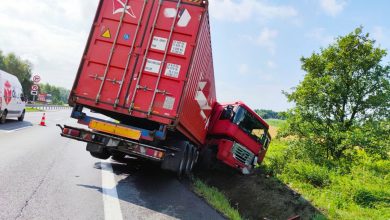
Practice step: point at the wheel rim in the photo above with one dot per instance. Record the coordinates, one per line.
(183, 161)
(195, 155)
(190, 159)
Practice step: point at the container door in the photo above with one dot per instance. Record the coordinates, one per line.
(158, 86)
(113, 50)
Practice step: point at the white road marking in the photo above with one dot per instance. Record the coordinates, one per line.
(112, 209)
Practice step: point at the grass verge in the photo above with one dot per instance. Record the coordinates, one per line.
(29, 109)
(216, 199)
(357, 189)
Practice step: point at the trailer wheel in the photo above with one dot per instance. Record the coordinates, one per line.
(177, 162)
(195, 157)
(3, 117)
(192, 158)
(118, 156)
(98, 151)
(102, 155)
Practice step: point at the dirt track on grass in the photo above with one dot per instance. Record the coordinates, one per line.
(258, 196)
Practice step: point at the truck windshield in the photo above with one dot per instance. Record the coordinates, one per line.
(249, 124)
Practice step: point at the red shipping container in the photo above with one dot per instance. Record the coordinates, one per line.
(150, 59)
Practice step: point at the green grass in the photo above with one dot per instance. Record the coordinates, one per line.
(216, 199)
(275, 122)
(360, 192)
(29, 109)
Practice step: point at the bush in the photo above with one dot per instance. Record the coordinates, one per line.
(365, 198)
(313, 174)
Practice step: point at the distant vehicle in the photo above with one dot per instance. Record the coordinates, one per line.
(12, 101)
(149, 66)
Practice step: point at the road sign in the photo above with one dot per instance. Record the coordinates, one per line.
(34, 92)
(42, 97)
(36, 79)
(34, 88)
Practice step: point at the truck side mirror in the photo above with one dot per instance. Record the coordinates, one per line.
(22, 98)
(227, 113)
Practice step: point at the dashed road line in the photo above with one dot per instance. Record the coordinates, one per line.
(112, 209)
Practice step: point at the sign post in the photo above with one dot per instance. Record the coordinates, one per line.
(34, 88)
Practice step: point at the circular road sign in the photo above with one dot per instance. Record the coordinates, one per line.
(36, 79)
(34, 88)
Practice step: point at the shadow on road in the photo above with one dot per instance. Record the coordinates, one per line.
(146, 185)
(11, 125)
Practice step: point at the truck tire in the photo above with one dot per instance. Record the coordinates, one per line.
(98, 151)
(191, 159)
(207, 159)
(3, 117)
(177, 161)
(118, 156)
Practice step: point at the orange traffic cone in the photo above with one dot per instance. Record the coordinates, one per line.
(43, 123)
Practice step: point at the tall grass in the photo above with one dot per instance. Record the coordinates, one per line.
(358, 189)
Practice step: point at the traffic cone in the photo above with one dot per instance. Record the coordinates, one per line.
(43, 123)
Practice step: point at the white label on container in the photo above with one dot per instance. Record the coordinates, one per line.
(153, 66)
(159, 43)
(172, 70)
(178, 47)
(169, 102)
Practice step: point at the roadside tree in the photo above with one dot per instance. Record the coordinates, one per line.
(343, 102)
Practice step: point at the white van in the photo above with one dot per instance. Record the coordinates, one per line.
(12, 101)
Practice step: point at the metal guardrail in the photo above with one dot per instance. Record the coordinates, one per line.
(48, 107)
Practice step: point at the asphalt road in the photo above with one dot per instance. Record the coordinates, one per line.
(45, 176)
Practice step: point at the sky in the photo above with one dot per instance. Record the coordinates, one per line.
(257, 44)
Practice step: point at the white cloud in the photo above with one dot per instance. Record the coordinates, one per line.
(333, 7)
(237, 11)
(267, 39)
(382, 37)
(271, 64)
(378, 33)
(320, 35)
(50, 34)
(243, 69)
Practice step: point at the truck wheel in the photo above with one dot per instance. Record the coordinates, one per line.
(21, 118)
(177, 162)
(102, 155)
(195, 157)
(207, 158)
(192, 158)
(3, 117)
(98, 151)
(118, 156)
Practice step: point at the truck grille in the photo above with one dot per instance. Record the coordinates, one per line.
(242, 154)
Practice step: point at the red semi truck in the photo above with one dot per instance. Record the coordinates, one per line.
(148, 65)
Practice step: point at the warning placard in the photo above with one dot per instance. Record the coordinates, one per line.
(106, 33)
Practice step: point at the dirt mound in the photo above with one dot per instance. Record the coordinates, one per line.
(258, 196)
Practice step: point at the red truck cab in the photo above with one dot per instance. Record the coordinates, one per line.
(241, 136)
